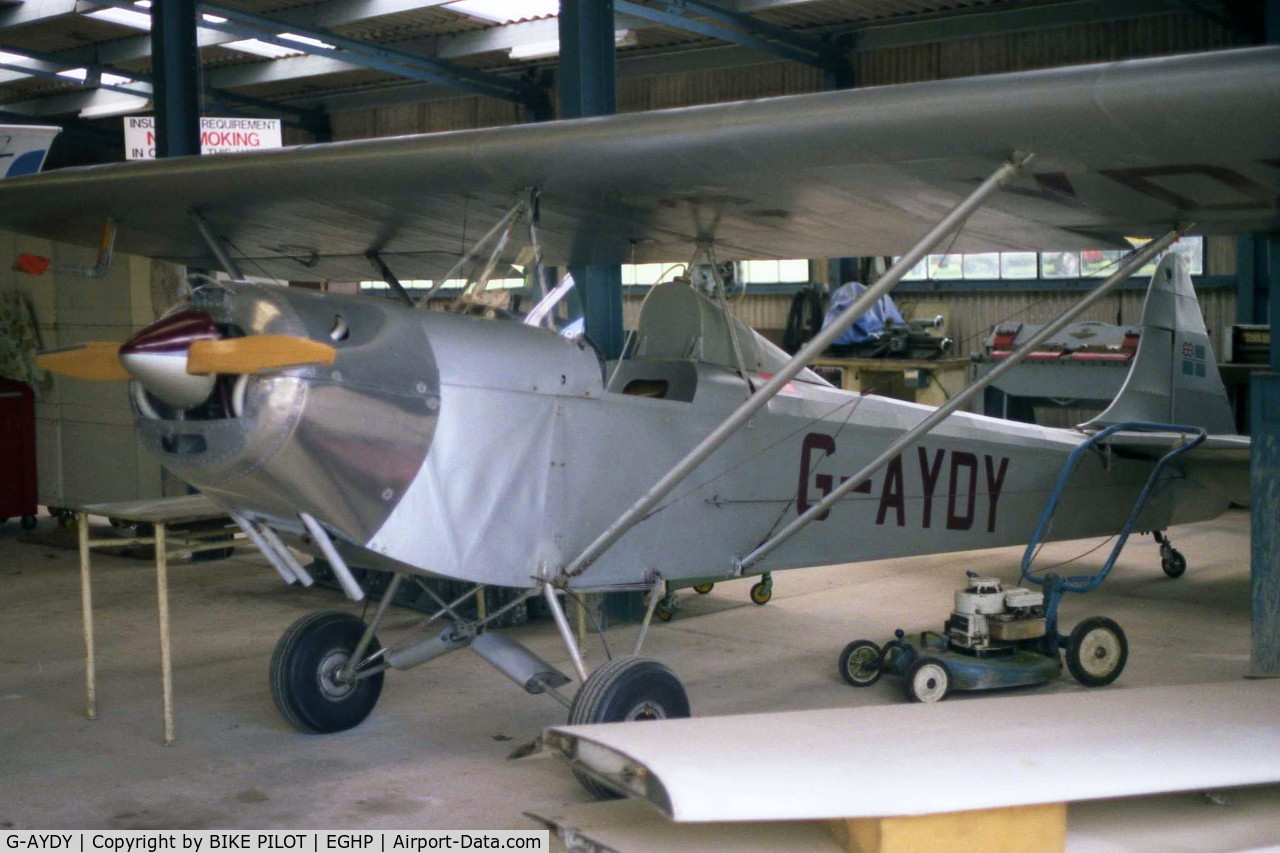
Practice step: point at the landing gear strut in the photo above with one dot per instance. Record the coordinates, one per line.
(1171, 559)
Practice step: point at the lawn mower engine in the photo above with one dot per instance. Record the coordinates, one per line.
(988, 616)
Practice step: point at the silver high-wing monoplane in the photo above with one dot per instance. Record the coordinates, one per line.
(497, 452)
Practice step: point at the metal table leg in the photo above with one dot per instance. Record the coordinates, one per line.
(86, 607)
(162, 596)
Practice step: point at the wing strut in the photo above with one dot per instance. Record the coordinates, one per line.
(388, 276)
(709, 250)
(501, 230)
(730, 425)
(215, 245)
(1131, 265)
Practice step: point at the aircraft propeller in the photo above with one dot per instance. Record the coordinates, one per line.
(178, 357)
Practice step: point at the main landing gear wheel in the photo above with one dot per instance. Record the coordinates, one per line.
(28, 522)
(927, 681)
(624, 689)
(1097, 651)
(860, 663)
(305, 680)
(704, 588)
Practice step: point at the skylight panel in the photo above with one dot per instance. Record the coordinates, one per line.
(307, 40)
(506, 11)
(262, 48)
(139, 20)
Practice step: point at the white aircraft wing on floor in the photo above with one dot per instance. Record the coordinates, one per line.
(1122, 149)
(894, 760)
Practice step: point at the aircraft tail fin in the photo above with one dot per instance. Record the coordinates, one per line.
(1174, 376)
(23, 148)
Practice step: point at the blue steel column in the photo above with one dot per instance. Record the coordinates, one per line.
(1265, 492)
(1265, 459)
(588, 88)
(842, 270)
(175, 61)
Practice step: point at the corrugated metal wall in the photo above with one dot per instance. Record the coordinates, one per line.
(1152, 35)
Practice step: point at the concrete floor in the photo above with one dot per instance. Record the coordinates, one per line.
(434, 753)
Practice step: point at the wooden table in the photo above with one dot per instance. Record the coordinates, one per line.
(160, 514)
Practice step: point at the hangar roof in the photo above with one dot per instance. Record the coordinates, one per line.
(91, 58)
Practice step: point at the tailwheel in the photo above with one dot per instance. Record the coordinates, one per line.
(860, 663)
(704, 588)
(1172, 561)
(762, 592)
(306, 674)
(1097, 651)
(625, 689)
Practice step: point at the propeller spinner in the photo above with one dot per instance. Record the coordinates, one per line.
(177, 358)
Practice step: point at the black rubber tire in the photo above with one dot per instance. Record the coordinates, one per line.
(28, 522)
(1097, 651)
(704, 588)
(859, 653)
(927, 680)
(664, 611)
(626, 688)
(1174, 565)
(316, 641)
(761, 593)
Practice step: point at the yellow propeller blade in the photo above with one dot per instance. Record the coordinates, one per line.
(96, 360)
(256, 353)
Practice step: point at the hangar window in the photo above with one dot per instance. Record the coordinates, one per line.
(792, 271)
(417, 286)
(1051, 266)
(775, 272)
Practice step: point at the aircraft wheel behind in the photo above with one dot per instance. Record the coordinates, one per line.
(28, 522)
(1097, 651)
(1174, 565)
(304, 671)
(927, 681)
(627, 688)
(859, 663)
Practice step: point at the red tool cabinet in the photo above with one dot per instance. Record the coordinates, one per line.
(17, 452)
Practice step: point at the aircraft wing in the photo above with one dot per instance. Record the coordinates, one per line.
(1122, 148)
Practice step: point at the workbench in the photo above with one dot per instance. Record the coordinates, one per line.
(153, 520)
(930, 382)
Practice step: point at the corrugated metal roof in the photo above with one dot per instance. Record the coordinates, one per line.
(415, 31)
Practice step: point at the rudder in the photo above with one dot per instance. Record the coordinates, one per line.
(1174, 376)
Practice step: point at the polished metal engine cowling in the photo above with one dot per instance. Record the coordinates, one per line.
(340, 442)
